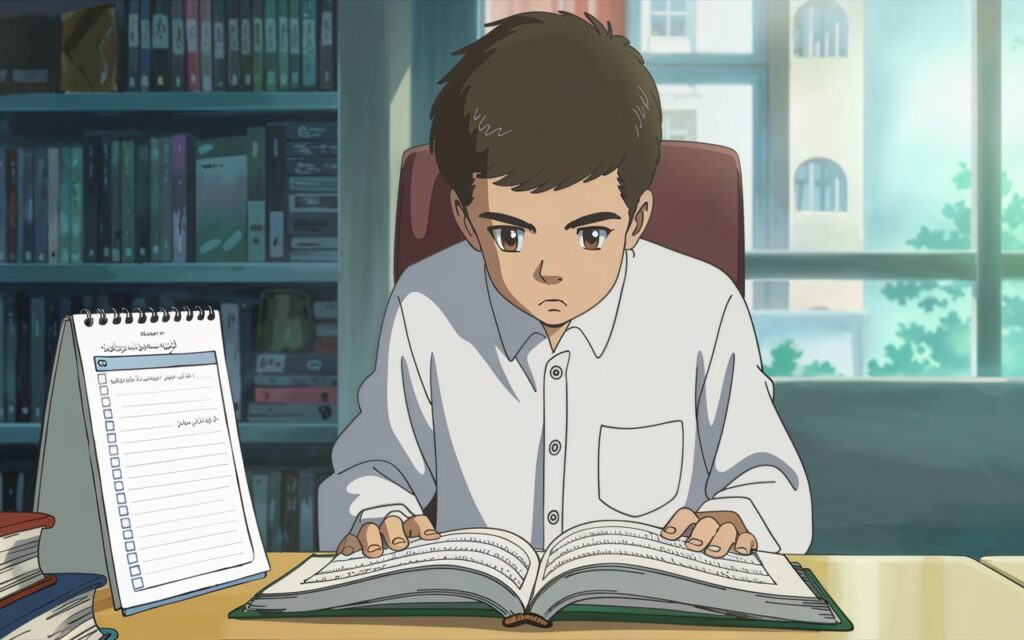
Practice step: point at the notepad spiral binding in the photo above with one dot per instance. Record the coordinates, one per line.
(137, 315)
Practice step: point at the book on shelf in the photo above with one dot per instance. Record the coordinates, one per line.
(192, 47)
(178, 46)
(283, 46)
(206, 45)
(145, 45)
(160, 44)
(622, 571)
(90, 44)
(218, 19)
(234, 46)
(284, 501)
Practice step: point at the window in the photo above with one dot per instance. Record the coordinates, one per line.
(820, 30)
(820, 185)
(668, 25)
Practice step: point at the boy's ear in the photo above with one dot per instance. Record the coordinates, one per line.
(638, 224)
(463, 223)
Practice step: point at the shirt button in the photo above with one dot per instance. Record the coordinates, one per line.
(556, 372)
(554, 447)
(553, 517)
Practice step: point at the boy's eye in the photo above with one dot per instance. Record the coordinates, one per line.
(509, 239)
(592, 238)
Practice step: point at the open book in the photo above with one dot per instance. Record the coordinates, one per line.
(610, 564)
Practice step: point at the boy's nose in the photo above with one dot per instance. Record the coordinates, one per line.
(546, 275)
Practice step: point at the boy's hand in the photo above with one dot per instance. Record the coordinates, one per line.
(714, 532)
(392, 532)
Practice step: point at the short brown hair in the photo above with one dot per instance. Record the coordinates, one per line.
(546, 100)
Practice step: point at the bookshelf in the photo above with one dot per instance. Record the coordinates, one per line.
(231, 102)
(170, 273)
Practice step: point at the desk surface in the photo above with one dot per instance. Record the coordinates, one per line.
(885, 596)
(1010, 566)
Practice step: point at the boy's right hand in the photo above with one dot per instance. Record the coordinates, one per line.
(392, 532)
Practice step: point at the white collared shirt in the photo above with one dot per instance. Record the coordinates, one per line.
(652, 401)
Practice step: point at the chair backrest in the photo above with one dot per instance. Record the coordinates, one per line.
(698, 206)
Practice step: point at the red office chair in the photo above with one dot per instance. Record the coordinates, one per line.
(698, 207)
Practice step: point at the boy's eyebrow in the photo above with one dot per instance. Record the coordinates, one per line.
(507, 219)
(591, 218)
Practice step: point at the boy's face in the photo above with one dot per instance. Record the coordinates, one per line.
(553, 254)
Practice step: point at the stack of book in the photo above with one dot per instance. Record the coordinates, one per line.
(173, 45)
(271, 194)
(36, 605)
(300, 386)
(285, 504)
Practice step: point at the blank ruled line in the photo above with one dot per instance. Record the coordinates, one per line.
(186, 493)
(162, 413)
(198, 526)
(162, 426)
(177, 435)
(184, 446)
(138, 393)
(184, 506)
(208, 535)
(167, 473)
(183, 519)
(191, 551)
(178, 566)
(155, 404)
(176, 483)
(146, 464)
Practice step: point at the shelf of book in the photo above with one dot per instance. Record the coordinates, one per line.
(27, 433)
(169, 273)
(230, 102)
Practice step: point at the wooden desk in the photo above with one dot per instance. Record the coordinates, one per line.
(1010, 566)
(886, 597)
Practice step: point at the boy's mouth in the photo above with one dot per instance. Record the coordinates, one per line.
(550, 301)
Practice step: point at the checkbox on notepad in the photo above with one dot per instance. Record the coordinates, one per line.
(113, 449)
(110, 426)
(115, 462)
(122, 510)
(133, 558)
(128, 534)
(129, 546)
(135, 570)
(117, 474)
(111, 438)
(121, 499)
(119, 486)
(105, 401)
(102, 378)
(126, 523)
(137, 583)
(104, 390)
(107, 413)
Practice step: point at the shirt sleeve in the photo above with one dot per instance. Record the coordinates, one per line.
(383, 460)
(753, 468)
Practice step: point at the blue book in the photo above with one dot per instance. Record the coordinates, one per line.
(145, 49)
(39, 607)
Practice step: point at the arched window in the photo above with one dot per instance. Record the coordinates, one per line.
(820, 185)
(820, 30)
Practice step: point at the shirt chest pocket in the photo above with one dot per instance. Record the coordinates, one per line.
(639, 468)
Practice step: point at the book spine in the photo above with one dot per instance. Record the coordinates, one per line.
(327, 346)
(284, 395)
(282, 380)
(166, 202)
(3, 357)
(290, 412)
(177, 46)
(37, 358)
(296, 243)
(26, 205)
(55, 203)
(183, 200)
(63, 240)
(220, 60)
(11, 221)
(290, 510)
(295, 44)
(103, 200)
(306, 518)
(160, 40)
(257, 45)
(155, 198)
(256, 161)
(325, 309)
(309, 50)
(234, 46)
(145, 44)
(313, 203)
(133, 45)
(192, 49)
(140, 219)
(277, 247)
(206, 45)
(313, 184)
(90, 186)
(76, 253)
(270, 44)
(274, 534)
(259, 481)
(310, 149)
(3, 213)
(326, 330)
(312, 132)
(326, 59)
(41, 206)
(230, 322)
(245, 42)
(128, 176)
(11, 361)
(114, 217)
(322, 166)
(296, 363)
(283, 47)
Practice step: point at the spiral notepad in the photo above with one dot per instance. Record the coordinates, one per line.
(140, 462)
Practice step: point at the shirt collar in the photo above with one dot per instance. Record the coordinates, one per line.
(515, 326)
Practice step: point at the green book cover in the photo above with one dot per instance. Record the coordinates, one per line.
(166, 234)
(575, 612)
(115, 200)
(221, 200)
(142, 174)
(257, 44)
(256, 158)
(309, 49)
(64, 207)
(294, 44)
(270, 43)
(76, 251)
(283, 45)
(127, 201)
(155, 199)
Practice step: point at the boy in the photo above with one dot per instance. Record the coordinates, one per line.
(554, 368)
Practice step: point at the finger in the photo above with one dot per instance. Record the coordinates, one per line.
(391, 531)
(369, 540)
(421, 527)
(678, 524)
(724, 538)
(348, 545)
(745, 544)
(703, 531)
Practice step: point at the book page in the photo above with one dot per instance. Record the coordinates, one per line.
(177, 507)
(494, 553)
(641, 545)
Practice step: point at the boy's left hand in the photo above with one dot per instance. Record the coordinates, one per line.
(714, 532)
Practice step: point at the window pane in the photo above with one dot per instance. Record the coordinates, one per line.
(717, 26)
(716, 113)
(857, 328)
(1013, 126)
(1013, 328)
